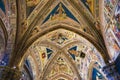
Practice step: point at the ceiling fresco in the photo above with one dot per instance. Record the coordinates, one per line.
(59, 66)
(61, 37)
(42, 55)
(60, 54)
(31, 4)
(111, 13)
(30, 65)
(83, 56)
(2, 6)
(96, 73)
(116, 28)
(60, 12)
(89, 4)
(51, 62)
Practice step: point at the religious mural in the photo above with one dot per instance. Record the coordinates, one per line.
(83, 56)
(61, 37)
(111, 14)
(60, 66)
(116, 27)
(112, 44)
(60, 12)
(42, 54)
(73, 54)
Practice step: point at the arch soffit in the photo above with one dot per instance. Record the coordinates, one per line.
(50, 62)
(52, 45)
(5, 33)
(84, 35)
(28, 53)
(93, 41)
(91, 66)
(36, 17)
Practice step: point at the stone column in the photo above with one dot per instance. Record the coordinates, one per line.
(117, 63)
(111, 71)
(7, 73)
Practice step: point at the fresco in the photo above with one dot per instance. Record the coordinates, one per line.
(89, 4)
(29, 62)
(2, 6)
(83, 56)
(116, 28)
(113, 45)
(44, 54)
(96, 75)
(31, 4)
(109, 5)
(61, 37)
(28, 65)
(60, 12)
(111, 14)
(60, 66)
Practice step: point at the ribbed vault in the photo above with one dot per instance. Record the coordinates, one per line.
(61, 50)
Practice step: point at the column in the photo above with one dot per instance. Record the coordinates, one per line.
(117, 63)
(7, 73)
(111, 71)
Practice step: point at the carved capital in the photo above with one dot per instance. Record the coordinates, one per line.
(7, 73)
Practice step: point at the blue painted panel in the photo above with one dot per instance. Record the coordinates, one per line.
(73, 48)
(96, 74)
(2, 6)
(49, 52)
(28, 65)
(54, 11)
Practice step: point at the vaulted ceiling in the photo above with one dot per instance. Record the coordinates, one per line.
(62, 37)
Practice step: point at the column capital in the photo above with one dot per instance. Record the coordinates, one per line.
(7, 73)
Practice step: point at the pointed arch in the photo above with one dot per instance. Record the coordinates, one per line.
(64, 76)
(4, 31)
(60, 53)
(90, 70)
(59, 26)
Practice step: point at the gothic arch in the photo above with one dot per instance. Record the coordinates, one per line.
(66, 27)
(91, 66)
(5, 33)
(62, 54)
